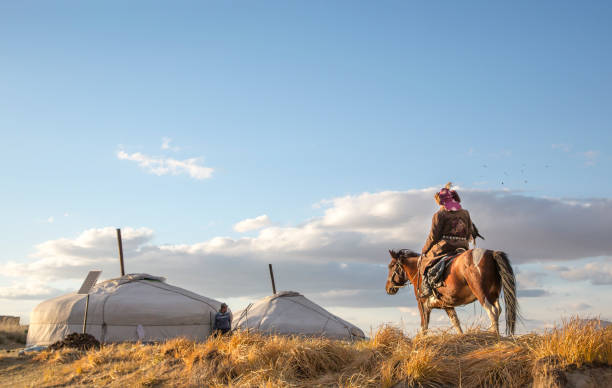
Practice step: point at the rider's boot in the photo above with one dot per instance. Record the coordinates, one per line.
(425, 290)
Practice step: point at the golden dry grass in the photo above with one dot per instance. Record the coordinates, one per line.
(576, 342)
(473, 359)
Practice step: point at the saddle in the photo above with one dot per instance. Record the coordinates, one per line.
(436, 271)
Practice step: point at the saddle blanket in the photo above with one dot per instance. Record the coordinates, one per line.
(435, 273)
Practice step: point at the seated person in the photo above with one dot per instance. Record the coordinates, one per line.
(451, 229)
(223, 321)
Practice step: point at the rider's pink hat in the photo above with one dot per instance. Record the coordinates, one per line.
(448, 198)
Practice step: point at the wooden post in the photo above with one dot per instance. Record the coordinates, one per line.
(120, 251)
(272, 277)
(85, 318)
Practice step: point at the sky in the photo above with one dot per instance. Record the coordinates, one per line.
(223, 136)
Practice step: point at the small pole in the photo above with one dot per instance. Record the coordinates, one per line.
(272, 277)
(85, 318)
(120, 251)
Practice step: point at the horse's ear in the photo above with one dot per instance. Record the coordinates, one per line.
(392, 253)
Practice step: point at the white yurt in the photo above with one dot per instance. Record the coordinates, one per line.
(130, 308)
(290, 313)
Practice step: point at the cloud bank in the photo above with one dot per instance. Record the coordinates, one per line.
(341, 255)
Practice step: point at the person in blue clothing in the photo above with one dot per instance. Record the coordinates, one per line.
(223, 321)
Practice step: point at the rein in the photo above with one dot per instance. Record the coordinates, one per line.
(418, 285)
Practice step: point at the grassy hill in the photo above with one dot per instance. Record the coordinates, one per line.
(12, 336)
(389, 358)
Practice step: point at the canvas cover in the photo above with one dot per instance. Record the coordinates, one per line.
(130, 308)
(290, 313)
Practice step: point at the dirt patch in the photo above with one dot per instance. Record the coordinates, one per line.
(10, 346)
(549, 373)
(589, 377)
(18, 371)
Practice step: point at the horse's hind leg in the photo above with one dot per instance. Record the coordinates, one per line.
(452, 315)
(474, 281)
(493, 313)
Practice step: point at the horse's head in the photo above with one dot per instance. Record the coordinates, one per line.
(397, 277)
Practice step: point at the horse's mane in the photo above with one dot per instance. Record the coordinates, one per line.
(402, 254)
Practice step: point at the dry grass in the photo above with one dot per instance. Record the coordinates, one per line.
(576, 342)
(13, 334)
(389, 357)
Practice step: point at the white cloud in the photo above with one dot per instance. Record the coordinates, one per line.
(166, 145)
(337, 293)
(65, 259)
(590, 157)
(164, 166)
(578, 306)
(413, 311)
(528, 279)
(360, 298)
(50, 220)
(530, 283)
(252, 224)
(598, 272)
(28, 291)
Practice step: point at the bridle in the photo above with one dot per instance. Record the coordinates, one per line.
(400, 272)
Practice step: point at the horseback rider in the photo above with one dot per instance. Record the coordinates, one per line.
(451, 229)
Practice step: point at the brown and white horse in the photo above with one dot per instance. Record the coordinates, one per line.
(474, 274)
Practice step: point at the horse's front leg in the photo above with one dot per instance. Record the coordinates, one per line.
(452, 315)
(425, 314)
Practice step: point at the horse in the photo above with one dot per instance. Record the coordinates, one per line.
(474, 274)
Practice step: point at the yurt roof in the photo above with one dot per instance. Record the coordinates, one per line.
(288, 325)
(159, 282)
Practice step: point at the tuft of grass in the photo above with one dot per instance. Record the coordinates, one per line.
(575, 342)
(390, 357)
(503, 364)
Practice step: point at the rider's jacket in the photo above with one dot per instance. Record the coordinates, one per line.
(449, 230)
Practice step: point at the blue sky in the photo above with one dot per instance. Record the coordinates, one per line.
(290, 104)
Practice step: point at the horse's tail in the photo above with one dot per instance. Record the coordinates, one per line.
(508, 281)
